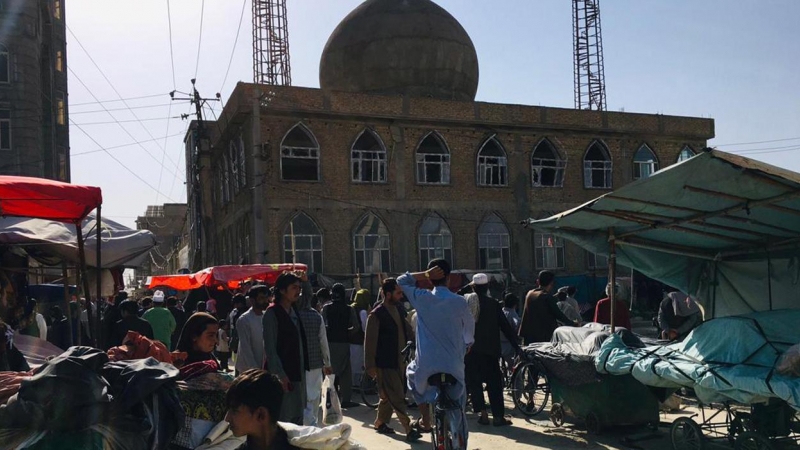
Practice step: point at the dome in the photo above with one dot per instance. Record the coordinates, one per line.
(411, 47)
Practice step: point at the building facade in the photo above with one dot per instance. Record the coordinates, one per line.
(168, 223)
(373, 174)
(34, 120)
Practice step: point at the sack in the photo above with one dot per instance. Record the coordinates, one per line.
(789, 364)
(331, 408)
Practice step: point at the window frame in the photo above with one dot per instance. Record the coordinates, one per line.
(428, 248)
(387, 264)
(686, 148)
(233, 157)
(558, 250)
(653, 164)
(482, 163)
(420, 161)
(287, 251)
(591, 261)
(4, 51)
(505, 238)
(6, 121)
(60, 61)
(560, 166)
(61, 109)
(381, 163)
(315, 150)
(589, 169)
(57, 14)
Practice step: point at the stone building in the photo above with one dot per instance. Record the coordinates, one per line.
(392, 162)
(34, 127)
(168, 223)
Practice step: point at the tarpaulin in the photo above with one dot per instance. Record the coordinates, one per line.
(229, 276)
(47, 199)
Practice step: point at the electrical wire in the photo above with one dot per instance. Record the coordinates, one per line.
(757, 142)
(160, 105)
(200, 39)
(171, 51)
(135, 120)
(117, 100)
(233, 50)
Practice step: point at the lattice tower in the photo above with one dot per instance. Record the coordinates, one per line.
(587, 40)
(271, 43)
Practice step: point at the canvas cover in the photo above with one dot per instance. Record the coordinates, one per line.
(724, 228)
(46, 199)
(730, 358)
(228, 276)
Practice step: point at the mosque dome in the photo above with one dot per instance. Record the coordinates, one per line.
(407, 47)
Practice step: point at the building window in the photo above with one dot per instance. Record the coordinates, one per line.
(549, 251)
(595, 261)
(494, 246)
(59, 61)
(547, 167)
(225, 179)
(685, 154)
(299, 155)
(62, 164)
(435, 241)
(233, 175)
(242, 163)
(302, 243)
(61, 109)
(371, 245)
(492, 164)
(644, 163)
(369, 159)
(5, 129)
(57, 9)
(597, 167)
(5, 65)
(433, 161)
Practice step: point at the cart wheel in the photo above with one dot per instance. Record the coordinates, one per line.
(530, 389)
(593, 424)
(557, 414)
(753, 441)
(686, 434)
(735, 429)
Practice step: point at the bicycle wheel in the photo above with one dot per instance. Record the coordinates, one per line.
(530, 389)
(369, 391)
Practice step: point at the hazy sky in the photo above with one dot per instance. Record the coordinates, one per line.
(733, 60)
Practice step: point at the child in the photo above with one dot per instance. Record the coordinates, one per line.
(254, 403)
(223, 350)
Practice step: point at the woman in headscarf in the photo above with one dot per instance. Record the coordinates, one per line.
(199, 338)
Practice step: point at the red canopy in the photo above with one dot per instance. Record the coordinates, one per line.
(229, 276)
(47, 199)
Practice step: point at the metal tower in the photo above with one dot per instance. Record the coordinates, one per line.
(271, 43)
(587, 41)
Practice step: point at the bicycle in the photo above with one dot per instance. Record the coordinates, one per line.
(443, 436)
(530, 389)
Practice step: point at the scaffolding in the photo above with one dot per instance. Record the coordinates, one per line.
(271, 43)
(590, 80)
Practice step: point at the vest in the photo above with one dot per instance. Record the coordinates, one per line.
(338, 315)
(386, 351)
(312, 323)
(290, 346)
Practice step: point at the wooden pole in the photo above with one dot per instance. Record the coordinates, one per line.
(82, 271)
(66, 301)
(612, 275)
(94, 319)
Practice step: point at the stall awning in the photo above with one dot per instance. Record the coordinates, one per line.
(47, 199)
(227, 276)
(715, 220)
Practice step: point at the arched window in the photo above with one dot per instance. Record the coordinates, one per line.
(369, 158)
(433, 161)
(302, 239)
(645, 163)
(435, 240)
(494, 244)
(226, 186)
(492, 164)
(547, 167)
(242, 162)
(371, 245)
(5, 65)
(299, 155)
(685, 154)
(233, 176)
(597, 167)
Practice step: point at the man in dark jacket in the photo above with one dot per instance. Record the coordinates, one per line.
(130, 322)
(111, 316)
(482, 363)
(180, 319)
(541, 314)
(340, 322)
(59, 331)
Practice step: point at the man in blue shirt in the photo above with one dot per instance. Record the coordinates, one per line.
(445, 329)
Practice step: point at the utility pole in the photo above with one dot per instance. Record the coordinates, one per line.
(193, 179)
(587, 40)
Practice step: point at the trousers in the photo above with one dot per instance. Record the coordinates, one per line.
(340, 360)
(481, 369)
(392, 396)
(311, 413)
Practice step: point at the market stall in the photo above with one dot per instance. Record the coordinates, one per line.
(227, 276)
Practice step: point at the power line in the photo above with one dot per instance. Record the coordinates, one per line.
(233, 50)
(117, 100)
(757, 142)
(161, 105)
(135, 120)
(765, 151)
(171, 52)
(200, 39)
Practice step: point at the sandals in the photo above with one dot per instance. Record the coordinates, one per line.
(384, 429)
(417, 424)
(413, 435)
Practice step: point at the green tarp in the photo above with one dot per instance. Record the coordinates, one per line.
(724, 228)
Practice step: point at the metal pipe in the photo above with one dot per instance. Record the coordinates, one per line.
(66, 301)
(95, 318)
(612, 274)
(82, 272)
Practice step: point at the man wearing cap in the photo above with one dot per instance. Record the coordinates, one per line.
(161, 319)
(483, 361)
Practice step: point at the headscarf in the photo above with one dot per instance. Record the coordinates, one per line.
(194, 327)
(683, 305)
(361, 300)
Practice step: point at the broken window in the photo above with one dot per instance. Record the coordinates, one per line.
(494, 244)
(597, 167)
(644, 163)
(302, 243)
(435, 241)
(369, 159)
(492, 164)
(299, 155)
(433, 161)
(547, 167)
(371, 245)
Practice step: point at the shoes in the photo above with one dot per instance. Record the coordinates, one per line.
(384, 429)
(417, 425)
(501, 422)
(411, 405)
(349, 404)
(483, 420)
(413, 435)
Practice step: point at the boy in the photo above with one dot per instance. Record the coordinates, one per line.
(254, 404)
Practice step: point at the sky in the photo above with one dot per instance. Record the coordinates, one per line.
(735, 61)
